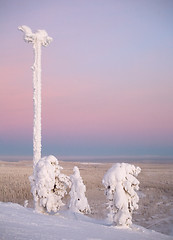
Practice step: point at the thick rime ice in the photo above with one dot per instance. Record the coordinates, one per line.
(40, 36)
(48, 185)
(78, 202)
(120, 184)
(38, 39)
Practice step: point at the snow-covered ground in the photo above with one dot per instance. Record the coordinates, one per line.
(17, 222)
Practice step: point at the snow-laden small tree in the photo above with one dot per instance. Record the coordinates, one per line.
(121, 185)
(48, 185)
(78, 202)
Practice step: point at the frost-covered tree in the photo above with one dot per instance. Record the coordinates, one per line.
(121, 185)
(78, 202)
(48, 185)
(38, 39)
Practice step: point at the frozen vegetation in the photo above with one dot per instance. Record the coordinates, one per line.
(78, 202)
(38, 39)
(120, 183)
(48, 185)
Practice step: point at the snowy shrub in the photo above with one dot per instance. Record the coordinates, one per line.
(78, 202)
(48, 185)
(120, 183)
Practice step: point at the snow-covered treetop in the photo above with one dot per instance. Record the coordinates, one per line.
(120, 172)
(76, 172)
(40, 35)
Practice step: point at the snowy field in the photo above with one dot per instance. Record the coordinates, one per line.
(17, 222)
(154, 213)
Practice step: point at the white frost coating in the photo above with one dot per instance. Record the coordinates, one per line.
(78, 202)
(40, 38)
(48, 185)
(120, 183)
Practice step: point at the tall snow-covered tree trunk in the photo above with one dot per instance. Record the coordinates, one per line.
(37, 102)
(38, 39)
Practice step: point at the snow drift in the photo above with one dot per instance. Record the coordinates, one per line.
(17, 222)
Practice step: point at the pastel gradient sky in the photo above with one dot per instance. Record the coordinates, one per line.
(107, 77)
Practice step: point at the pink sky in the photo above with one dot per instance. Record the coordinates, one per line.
(107, 84)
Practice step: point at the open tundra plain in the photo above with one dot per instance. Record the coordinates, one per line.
(156, 190)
